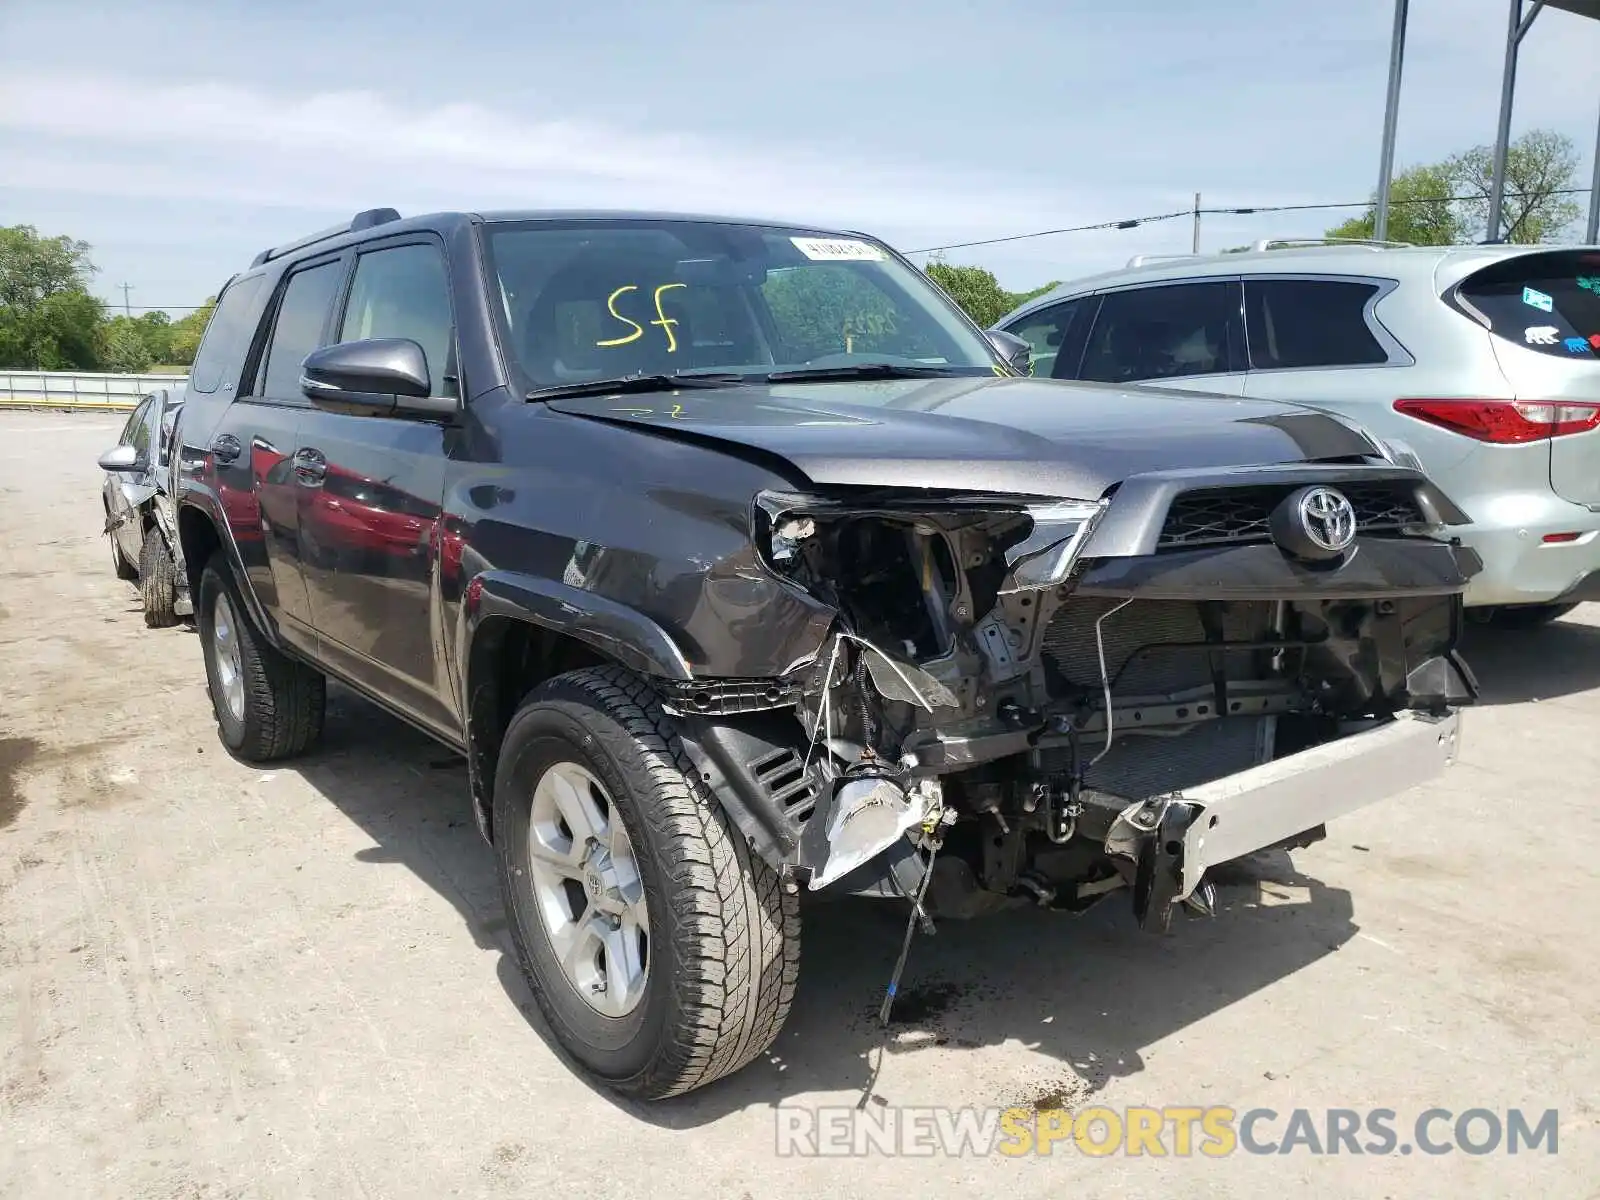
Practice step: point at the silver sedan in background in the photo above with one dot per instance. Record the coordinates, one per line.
(140, 518)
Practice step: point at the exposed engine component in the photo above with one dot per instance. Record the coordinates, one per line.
(990, 688)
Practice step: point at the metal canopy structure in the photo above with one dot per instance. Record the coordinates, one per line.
(1522, 15)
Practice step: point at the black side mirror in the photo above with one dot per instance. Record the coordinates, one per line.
(373, 377)
(1017, 353)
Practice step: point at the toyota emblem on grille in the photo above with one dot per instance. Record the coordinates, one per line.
(1328, 519)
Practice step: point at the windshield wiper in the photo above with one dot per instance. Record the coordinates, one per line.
(861, 371)
(634, 384)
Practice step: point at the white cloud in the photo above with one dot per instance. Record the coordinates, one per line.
(349, 149)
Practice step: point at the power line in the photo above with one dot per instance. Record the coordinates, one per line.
(1132, 222)
(164, 307)
(1125, 223)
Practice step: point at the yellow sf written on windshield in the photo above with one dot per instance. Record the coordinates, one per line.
(662, 319)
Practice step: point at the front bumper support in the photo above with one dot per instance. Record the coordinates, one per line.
(1175, 839)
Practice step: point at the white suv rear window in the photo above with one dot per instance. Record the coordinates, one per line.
(1547, 301)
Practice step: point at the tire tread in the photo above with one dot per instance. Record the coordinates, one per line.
(285, 701)
(735, 930)
(158, 581)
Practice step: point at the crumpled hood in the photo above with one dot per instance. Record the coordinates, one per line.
(1034, 436)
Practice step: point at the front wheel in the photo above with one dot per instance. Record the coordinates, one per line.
(158, 581)
(268, 706)
(661, 950)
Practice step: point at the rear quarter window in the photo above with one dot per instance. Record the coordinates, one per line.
(1298, 323)
(1548, 302)
(227, 335)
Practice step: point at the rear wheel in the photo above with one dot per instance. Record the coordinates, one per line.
(268, 706)
(661, 950)
(1521, 616)
(158, 581)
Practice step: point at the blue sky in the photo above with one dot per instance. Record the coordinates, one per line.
(180, 138)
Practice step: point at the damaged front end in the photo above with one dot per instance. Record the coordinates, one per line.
(1039, 700)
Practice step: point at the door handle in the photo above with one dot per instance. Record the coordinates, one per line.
(226, 448)
(310, 466)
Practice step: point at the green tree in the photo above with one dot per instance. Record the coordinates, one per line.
(48, 319)
(1447, 203)
(186, 332)
(978, 292)
(1420, 210)
(974, 289)
(1540, 165)
(155, 331)
(123, 345)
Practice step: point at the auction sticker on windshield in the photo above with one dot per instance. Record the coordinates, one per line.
(837, 250)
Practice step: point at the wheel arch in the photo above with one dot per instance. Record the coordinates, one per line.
(200, 536)
(522, 630)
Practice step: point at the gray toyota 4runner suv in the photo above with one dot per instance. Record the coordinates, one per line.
(738, 562)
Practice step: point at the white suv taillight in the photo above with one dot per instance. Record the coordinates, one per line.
(1505, 422)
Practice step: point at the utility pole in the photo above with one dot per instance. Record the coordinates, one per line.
(1516, 29)
(1391, 120)
(1593, 234)
(127, 311)
(1195, 245)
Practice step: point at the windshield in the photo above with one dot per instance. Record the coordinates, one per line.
(606, 299)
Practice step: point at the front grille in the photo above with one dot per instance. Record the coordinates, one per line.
(1232, 516)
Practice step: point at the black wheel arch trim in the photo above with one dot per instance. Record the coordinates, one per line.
(614, 631)
(202, 500)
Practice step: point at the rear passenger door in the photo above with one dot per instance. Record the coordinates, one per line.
(262, 433)
(1187, 335)
(368, 517)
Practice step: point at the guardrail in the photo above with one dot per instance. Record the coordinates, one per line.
(79, 389)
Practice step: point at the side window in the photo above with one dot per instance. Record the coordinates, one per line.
(1164, 333)
(1310, 323)
(1047, 330)
(135, 422)
(139, 432)
(167, 425)
(302, 315)
(403, 292)
(227, 335)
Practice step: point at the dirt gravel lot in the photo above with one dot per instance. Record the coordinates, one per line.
(222, 981)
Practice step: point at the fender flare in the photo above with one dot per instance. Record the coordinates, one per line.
(621, 634)
(205, 503)
(616, 632)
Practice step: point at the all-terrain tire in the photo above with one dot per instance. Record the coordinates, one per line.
(1524, 616)
(724, 944)
(284, 700)
(158, 581)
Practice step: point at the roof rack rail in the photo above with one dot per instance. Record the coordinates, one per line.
(1139, 260)
(365, 219)
(1290, 243)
